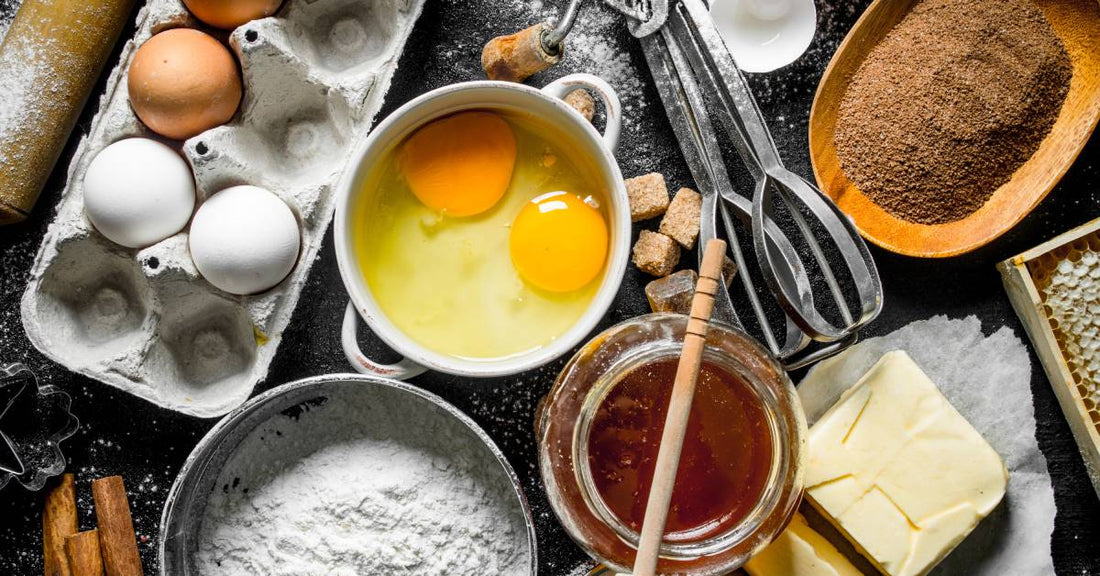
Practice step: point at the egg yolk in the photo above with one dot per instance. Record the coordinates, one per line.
(558, 242)
(460, 165)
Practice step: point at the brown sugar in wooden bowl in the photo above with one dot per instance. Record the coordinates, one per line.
(1077, 24)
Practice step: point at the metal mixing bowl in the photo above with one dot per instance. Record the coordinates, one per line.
(181, 523)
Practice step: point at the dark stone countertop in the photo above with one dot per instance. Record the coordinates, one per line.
(124, 435)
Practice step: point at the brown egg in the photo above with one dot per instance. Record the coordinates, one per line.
(183, 82)
(228, 14)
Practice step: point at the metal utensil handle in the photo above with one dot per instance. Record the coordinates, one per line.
(713, 60)
(684, 106)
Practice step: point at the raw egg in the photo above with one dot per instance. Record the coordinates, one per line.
(228, 14)
(558, 242)
(244, 240)
(460, 165)
(183, 82)
(138, 192)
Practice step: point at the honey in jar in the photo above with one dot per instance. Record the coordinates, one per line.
(599, 430)
(726, 456)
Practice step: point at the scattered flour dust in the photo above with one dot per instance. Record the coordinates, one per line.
(354, 487)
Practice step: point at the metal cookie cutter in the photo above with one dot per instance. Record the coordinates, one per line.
(34, 420)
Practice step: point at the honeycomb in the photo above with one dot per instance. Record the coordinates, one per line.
(1068, 281)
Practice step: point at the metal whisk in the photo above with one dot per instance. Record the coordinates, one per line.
(822, 285)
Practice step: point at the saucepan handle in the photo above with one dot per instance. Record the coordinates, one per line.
(349, 338)
(612, 108)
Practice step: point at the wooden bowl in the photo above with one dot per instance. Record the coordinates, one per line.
(1076, 22)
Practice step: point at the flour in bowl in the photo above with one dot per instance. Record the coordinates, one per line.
(390, 486)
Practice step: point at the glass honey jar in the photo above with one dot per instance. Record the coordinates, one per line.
(740, 475)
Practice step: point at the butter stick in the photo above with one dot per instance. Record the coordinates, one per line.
(800, 551)
(899, 471)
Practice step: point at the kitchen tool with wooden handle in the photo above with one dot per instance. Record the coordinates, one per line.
(679, 408)
(50, 60)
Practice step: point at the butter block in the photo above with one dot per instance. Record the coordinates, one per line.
(800, 551)
(899, 471)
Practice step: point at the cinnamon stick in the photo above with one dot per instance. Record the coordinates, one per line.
(58, 523)
(82, 550)
(117, 541)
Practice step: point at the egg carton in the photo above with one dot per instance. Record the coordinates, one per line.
(145, 321)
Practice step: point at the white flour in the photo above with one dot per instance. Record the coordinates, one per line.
(386, 487)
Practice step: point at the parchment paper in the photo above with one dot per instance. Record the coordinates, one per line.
(988, 379)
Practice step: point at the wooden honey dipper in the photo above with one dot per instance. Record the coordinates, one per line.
(679, 408)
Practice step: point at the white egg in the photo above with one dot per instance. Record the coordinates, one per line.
(138, 192)
(765, 35)
(244, 240)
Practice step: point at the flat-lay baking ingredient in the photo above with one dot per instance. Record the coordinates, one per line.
(183, 82)
(58, 523)
(558, 242)
(800, 551)
(1055, 290)
(581, 101)
(765, 35)
(515, 57)
(899, 471)
(648, 196)
(726, 454)
(946, 108)
(244, 240)
(672, 293)
(681, 220)
(228, 14)
(656, 254)
(138, 192)
(118, 543)
(455, 285)
(363, 484)
(460, 165)
(50, 60)
(83, 552)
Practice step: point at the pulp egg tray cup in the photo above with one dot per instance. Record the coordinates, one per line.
(145, 321)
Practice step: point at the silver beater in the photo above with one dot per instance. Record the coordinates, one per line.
(824, 297)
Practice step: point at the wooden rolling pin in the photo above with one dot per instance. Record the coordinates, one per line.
(50, 60)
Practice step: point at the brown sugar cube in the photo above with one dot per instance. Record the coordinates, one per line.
(673, 293)
(648, 196)
(681, 221)
(729, 270)
(582, 102)
(655, 253)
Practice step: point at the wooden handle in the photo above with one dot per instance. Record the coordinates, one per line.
(82, 549)
(116, 528)
(516, 57)
(58, 523)
(679, 408)
(50, 61)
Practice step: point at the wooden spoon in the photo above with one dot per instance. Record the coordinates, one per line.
(1076, 22)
